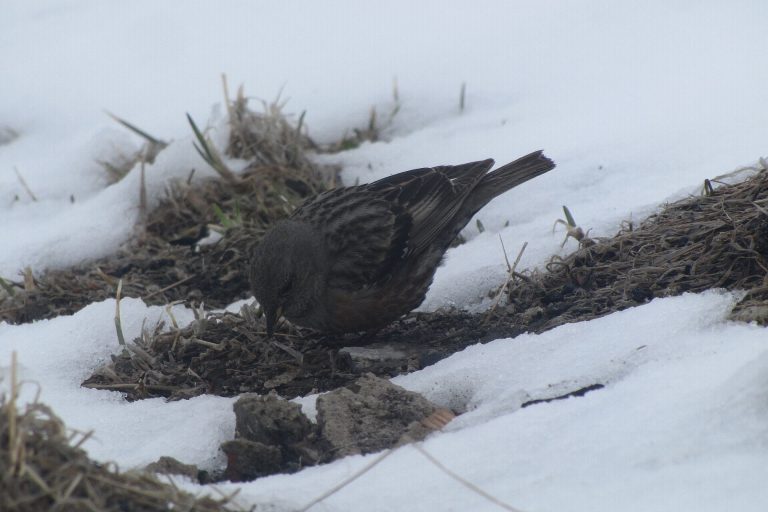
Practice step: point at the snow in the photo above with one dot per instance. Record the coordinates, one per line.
(636, 103)
(60, 353)
(680, 424)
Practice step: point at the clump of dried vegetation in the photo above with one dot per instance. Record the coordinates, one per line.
(169, 259)
(716, 240)
(228, 354)
(43, 468)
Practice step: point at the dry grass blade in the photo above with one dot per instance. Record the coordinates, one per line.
(29, 280)
(510, 276)
(24, 184)
(268, 137)
(572, 230)
(143, 208)
(208, 152)
(138, 131)
(8, 287)
(330, 492)
(153, 146)
(466, 483)
(118, 321)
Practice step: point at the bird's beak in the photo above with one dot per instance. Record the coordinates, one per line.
(272, 314)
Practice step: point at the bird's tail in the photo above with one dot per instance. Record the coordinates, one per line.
(511, 175)
(504, 178)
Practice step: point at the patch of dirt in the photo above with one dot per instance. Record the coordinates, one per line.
(228, 354)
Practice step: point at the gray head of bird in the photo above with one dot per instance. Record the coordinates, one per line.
(288, 271)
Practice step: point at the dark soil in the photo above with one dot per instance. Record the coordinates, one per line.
(228, 354)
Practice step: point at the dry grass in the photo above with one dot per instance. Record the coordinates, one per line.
(165, 263)
(716, 240)
(373, 131)
(122, 164)
(43, 468)
(267, 138)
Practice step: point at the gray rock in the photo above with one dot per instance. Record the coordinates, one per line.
(270, 420)
(370, 415)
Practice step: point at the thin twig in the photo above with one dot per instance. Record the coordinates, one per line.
(170, 286)
(510, 275)
(12, 430)
(347, 481)
(466, 483)
(506, 259)
(24, 184)
(138, 131)
(143, 208)
(214, 346)
(118, 322)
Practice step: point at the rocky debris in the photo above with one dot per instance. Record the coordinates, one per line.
(371, 414)
(272, 435)
(248, 460)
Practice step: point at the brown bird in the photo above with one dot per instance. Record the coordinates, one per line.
(357, 258)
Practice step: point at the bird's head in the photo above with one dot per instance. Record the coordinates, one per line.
(287, 271)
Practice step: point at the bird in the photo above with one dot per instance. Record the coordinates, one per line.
(355, 259)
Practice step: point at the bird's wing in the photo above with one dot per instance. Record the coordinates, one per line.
(365, 234)
(370, 228)
(430, 197)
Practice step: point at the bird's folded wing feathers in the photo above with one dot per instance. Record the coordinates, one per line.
(365, 235)
(431, 197)
(368, 233)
